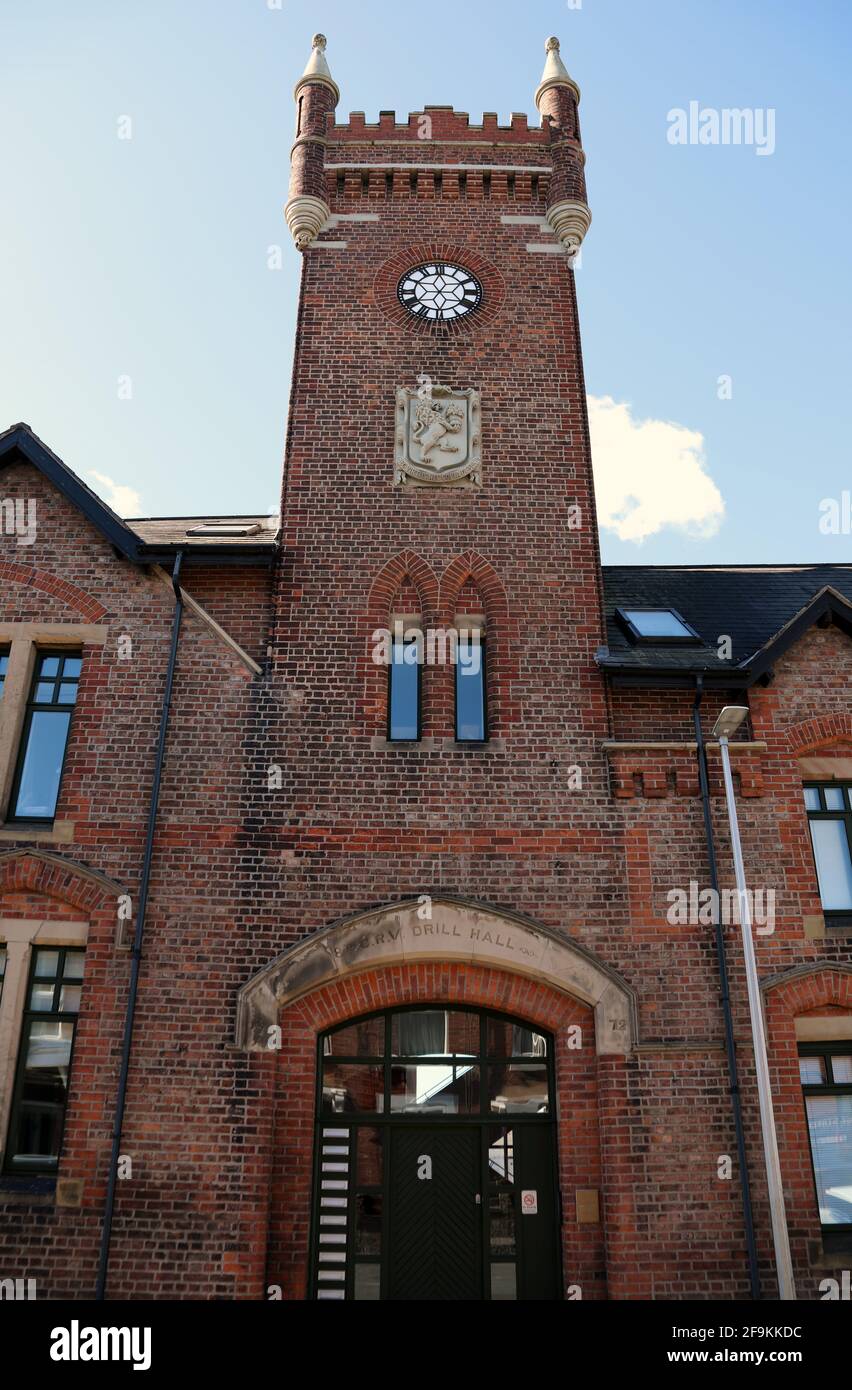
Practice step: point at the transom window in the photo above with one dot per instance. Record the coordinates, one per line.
(439, 291)
(45, 736)
(435, 1063)
(44, 1060)
(826, 1075)
(829, 808)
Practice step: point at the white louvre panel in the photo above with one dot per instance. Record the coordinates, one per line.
(334, 1159)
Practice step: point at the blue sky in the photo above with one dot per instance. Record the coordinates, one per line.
(147, 258)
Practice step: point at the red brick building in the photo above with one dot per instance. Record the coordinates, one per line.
(331, 978)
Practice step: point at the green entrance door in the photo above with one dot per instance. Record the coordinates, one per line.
(435, 1168)
(435, 1227)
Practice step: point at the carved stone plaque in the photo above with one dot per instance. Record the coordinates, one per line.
(437, 436)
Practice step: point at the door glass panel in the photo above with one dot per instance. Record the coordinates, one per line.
(504, 1039)
(348, 1086)
(504, 1284)
(369, 1163)
(368, 1224)
(501, 1224)
(516, 1088)
(501, 1160)
(437, 1088)
(368, 1282)
(830, 1124)
(834, 869)
(364, 1039)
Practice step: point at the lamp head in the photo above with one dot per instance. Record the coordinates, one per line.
(729, 720)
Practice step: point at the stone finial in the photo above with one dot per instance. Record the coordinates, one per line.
(316, 68)
(555, 72)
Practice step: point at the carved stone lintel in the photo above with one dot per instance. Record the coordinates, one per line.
(306, 216)
(570, 222)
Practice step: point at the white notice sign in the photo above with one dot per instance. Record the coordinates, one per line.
(529, 1202)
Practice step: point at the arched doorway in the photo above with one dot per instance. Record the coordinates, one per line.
(435, 1169)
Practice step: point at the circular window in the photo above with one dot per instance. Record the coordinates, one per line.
(439, 291)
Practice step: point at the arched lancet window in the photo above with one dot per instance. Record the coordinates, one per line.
(435, 1158)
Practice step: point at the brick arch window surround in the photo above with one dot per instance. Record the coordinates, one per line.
(406, 587)
(804, 1004)
(440, 984)
(51, 911)
(472, 589)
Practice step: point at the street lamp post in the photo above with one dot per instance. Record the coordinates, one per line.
(727, 723)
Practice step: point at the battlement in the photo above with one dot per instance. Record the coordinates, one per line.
(439, 123)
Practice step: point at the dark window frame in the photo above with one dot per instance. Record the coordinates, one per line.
(35, 706)
(403, 642)
(826, 1050)
(690, 639)
(29, 1016)
(834, 917)
(456, 679)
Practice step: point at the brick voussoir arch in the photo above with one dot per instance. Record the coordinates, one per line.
(406, 565)
(472, 565)
(816, 733)
(813, 985)
(460, 932)
(419, 253)
(85, 605)
(53, 876)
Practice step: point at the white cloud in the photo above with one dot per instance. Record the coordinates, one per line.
(123, 500)
(650, 474)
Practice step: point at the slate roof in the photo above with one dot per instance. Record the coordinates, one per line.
(175, 531)
(762, 608)
(145, 540)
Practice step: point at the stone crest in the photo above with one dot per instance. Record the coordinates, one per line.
(437, 435)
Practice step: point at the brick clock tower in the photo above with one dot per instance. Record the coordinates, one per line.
(449, 818)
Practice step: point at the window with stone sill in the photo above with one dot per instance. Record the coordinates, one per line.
(825, 1071)
(829, 811)
(45, 1054)
(44, 738)
(405, 688)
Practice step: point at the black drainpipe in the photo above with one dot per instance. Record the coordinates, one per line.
(103, 1260)
(730, 1045)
